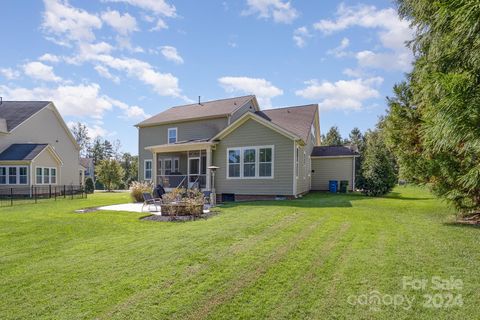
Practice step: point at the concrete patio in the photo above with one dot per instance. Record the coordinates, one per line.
(137, 207)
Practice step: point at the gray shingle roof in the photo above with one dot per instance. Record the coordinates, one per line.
(22, 151)
(332, 151)
(297, 120)
(193, 111)
(16, 112)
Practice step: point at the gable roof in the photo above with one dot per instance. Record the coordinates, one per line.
(16, 112)
(333, 151)
(207, 109)
(297, 120)
(22, 151)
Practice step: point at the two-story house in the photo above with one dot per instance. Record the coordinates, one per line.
(36, 146)
(260, 154)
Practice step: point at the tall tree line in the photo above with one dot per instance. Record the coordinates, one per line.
(433, 120)
(102, 150)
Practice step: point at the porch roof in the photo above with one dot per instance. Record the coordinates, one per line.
(188, 145)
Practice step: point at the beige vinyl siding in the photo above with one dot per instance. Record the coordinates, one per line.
(157, 135)
(45, 127)
(331, 169)
(46, 159)
(245, 108)
(252, 133)
(304, 178)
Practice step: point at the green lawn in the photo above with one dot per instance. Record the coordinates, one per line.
(280, 260)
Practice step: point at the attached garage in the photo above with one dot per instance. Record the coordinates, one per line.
(332, 163)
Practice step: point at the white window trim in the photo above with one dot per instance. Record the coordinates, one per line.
(49, 175)
(7, 176)
(304, 164)
(297, 164)
(168, 135)
(257, 162)
(145, 169)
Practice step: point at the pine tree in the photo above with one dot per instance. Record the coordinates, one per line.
(333, 137)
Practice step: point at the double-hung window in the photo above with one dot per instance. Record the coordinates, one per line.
(13, 175)
(250, 162)
(172, 135)
(265, 162)
(3, 175)
(148, 170)
(45, 175)
(234, 163)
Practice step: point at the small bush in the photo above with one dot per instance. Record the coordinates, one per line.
(122, 185)
(138, 188)
(89, 185)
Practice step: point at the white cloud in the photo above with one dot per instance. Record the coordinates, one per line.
(340, 50)
(159, 7)
(67, 23)
(171, 53)
(80, 100)
(280, 11)
(164, 84)
(104, 72)
(40, 71)
(393, 33)
(136, 112)
(262, 88)
(342, 94)
(123, 24)
(387, 61)
(48, 57)
(300, 36)
(77, 100)
(9, 73)
(354, 73)
(159, 25)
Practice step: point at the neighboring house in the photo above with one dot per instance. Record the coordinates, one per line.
(87, 163)
(260, 154)
(36, 146)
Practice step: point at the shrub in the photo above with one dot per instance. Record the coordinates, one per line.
(89, 185)
(183, 202)
(122, 185)
(138, 188)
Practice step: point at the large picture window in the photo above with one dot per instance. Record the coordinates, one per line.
(13, 175)
(250, 162)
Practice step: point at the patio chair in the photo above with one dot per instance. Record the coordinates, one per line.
(149, 200)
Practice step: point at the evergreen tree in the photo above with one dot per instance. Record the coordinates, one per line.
(445, 89)
(333, 137)
(357, 141)
(378, 168)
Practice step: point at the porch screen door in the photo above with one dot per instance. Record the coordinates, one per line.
(193, 170)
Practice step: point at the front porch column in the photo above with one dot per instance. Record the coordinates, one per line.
(154, 168)
(209, 163)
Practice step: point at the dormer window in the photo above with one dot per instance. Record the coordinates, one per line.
(172, 135)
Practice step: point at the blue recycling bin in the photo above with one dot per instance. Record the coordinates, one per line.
(333, 186)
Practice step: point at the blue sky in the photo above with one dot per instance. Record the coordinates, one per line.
(111, 63)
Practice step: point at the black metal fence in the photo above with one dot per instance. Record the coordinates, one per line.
(10, 196)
